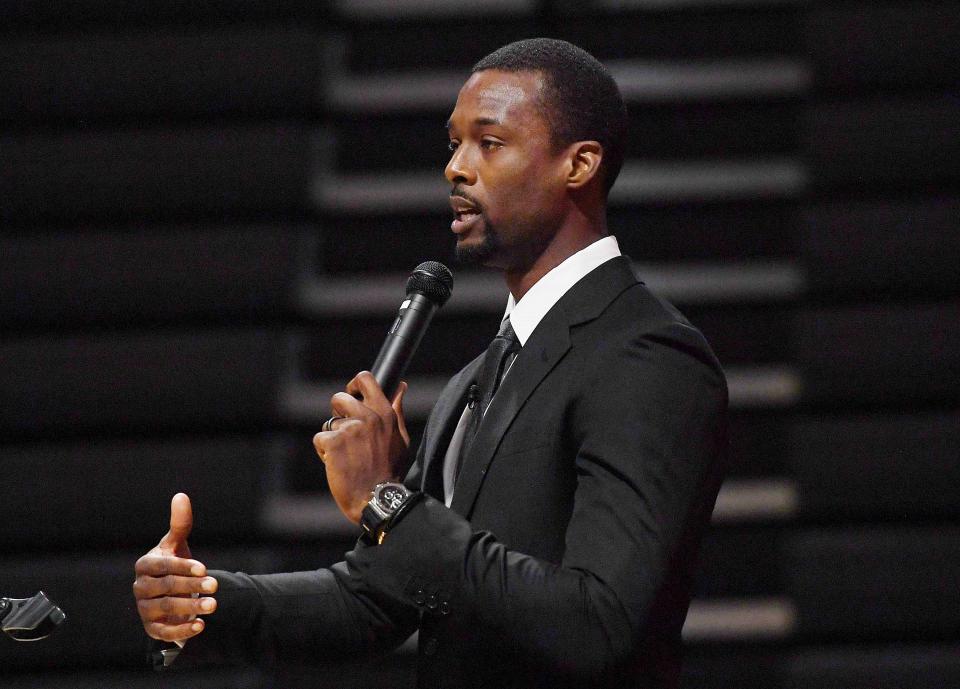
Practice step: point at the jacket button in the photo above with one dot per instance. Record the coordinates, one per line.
(444, 607)
(432, 602)
(419, 597)
(430, 647)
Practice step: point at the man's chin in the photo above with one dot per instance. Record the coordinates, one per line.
(469, 253)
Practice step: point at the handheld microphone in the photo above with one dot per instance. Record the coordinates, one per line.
(428, 288)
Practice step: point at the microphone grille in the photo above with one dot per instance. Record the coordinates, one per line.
(433, 280)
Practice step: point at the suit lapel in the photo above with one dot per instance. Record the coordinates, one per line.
(541, 353)
(546, 346)
(440, 427)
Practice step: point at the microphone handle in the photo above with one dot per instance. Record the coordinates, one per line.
(402, 341)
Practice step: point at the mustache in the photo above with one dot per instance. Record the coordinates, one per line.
(458, 190)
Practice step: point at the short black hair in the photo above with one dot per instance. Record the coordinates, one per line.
(580, 97)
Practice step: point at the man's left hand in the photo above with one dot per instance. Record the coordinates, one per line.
(368, 445)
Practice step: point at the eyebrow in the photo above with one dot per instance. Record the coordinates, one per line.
(480, 121)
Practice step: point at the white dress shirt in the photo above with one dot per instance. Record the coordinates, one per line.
(525, 315)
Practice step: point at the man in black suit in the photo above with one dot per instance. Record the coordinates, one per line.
(546, 531)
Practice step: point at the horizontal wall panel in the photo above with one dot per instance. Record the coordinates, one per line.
(892, 248)
(752, 500)
(131, 382)
(715, 231)
(737, 334)
(156, 172)
(351, 244)
(643, 83)
(897, 356)
(666, 132)
(906, 142)
(397, 669)
(115, 493)
(869, 582)
(737, 563)
(901, 665)
(854, 467)
(138, 679)
(706, 668)
(725, 667)
(415, 142)
(884, 45)
(47, 15)
(765, 388)
(838, 666)
(882, 466)
(759, 443)
(589, 7)
(716, 34)
(695, 286)
(169, 73)
(367, 10)
(639, 183)
(904, 563)
(714, 130)
(846, 583)
(707, 231)
(745, 333)
(788, 467)
(357, 342)
(740, 78)
(151, 274)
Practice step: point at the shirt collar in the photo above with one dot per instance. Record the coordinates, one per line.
(527, 313)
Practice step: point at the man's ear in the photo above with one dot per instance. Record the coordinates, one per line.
(584, 158)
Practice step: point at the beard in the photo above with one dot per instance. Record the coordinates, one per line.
(482, 253)
(516, 253)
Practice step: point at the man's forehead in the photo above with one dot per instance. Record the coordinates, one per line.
(500, 96)
(494, 94)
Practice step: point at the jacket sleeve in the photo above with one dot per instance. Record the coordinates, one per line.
(309, 615)
(649, 418)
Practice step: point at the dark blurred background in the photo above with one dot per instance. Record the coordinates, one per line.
(208, 209)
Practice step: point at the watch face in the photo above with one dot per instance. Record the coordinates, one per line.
(390, 497)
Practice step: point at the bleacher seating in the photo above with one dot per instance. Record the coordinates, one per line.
(207, 212)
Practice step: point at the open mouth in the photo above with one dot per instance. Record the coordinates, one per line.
(462, 221)
(464, 214)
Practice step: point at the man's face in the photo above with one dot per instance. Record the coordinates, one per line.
(507, 180)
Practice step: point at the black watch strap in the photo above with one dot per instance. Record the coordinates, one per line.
(375, 527)
(372, 524)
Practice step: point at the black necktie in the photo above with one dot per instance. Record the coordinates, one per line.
(495, 363)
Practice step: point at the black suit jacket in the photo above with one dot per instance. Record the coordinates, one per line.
(566, 556)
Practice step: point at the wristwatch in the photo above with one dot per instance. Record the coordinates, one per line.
(386, 500)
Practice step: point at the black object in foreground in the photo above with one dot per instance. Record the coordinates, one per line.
(428, 288)
(30, 619)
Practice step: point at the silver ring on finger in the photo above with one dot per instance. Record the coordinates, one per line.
(328, 424)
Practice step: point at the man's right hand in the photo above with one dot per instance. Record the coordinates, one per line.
(167, 579)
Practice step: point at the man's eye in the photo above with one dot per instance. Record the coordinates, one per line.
(490, 144)
(453, 145)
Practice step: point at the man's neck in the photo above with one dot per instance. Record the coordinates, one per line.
(564, 245)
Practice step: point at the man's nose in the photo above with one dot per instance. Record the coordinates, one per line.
(459, 170)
